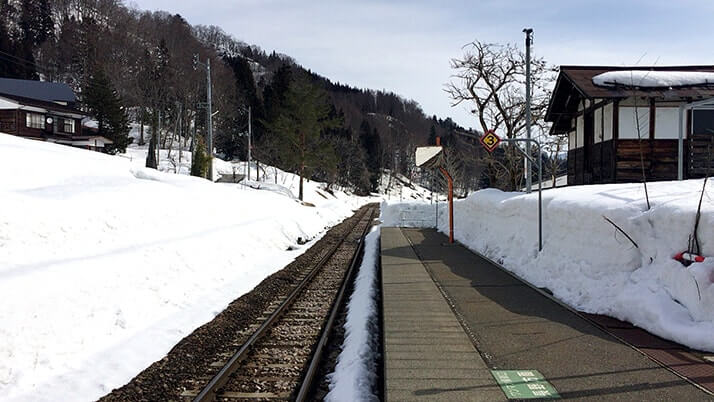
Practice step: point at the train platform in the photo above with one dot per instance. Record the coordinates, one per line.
(458, 327)
(427, 354)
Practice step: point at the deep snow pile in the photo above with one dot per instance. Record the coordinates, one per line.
(355, 374)
(586, 262)
(105, 265)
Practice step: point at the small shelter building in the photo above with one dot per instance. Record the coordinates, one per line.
(616, 118)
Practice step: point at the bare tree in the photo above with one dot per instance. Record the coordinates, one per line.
(492, 76)
(554, 146)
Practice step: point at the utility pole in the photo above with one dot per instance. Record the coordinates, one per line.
(193, 137)
(180, 129)
(209, 117)
(158, 142)
(250, 134)
(210, 121)
(529, 41)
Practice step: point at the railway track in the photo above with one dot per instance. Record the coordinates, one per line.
(280, 359)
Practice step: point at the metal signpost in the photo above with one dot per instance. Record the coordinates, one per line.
(529, 41)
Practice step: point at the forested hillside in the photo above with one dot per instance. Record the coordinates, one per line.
(131, 65)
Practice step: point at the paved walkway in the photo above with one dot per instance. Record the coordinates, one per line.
(514, 327)
(428, 356)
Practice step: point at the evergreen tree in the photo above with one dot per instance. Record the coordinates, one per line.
(200, 161)
(104, 104)
(351, 166)
(275, 93)
(369, 139)
(432, 135)
(36, 22)
(36, 26)
(299, 122)
(229, 142)
(8, 68)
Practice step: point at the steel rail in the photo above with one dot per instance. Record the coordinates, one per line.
(307, 382)
(210, 391)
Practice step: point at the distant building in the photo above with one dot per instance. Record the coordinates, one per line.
(611, 113)
(44, 111)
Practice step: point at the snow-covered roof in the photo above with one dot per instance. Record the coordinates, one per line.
(654, 79)
(39, 107)
(427, 154)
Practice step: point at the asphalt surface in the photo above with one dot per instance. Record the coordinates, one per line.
(515, 327)
(427, 354)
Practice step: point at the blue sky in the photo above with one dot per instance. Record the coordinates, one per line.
(405, 46)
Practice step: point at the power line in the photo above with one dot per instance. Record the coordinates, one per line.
(30, 63)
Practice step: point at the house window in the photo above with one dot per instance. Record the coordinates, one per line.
(703, 121)
(666, 123)
(35, 120)
(68, 126)
(633, 123)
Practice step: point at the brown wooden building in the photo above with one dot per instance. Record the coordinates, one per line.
(44, 111)
(610, 124)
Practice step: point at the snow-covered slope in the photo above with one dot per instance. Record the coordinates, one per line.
(105, 265)
(585, 261)
(398, 187)
(271, 178)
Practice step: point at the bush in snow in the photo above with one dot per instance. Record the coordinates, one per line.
(200, 161)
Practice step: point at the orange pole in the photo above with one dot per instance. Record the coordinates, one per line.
(451, 203)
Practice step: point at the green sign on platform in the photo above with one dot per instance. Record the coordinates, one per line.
(524, 384)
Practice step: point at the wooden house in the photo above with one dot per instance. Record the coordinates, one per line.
(45, 111)
(616, 118)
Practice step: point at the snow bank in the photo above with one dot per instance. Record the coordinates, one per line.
(356, 370)
(411, 214)
(653, 79)
(105, 265)
(587, 263)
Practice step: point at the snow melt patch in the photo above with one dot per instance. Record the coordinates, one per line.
(356, 370)
(105, 265)
(587, 263)
(653, 79)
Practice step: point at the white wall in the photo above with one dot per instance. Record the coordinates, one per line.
(580, 131)
(607, 132)
(667, 122)
(572, 144)
(627, 126)
(597, 116)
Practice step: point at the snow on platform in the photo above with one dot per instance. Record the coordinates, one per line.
(585, 261)
(105, 265)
